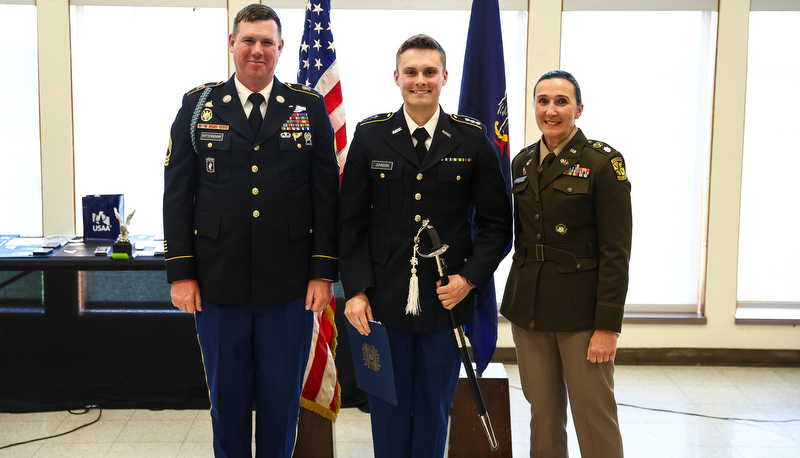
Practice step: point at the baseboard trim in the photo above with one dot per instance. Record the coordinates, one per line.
(689, 357)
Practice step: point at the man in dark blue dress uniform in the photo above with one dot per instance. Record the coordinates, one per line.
(402, 168)
(250, 204)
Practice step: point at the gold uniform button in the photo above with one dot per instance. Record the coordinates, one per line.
(383, 175)
(257, 147)
(538, 236)
(255, 191)
(569, 189)
(254, 168)
(419, 176)
(256, 214)
(210, 145)
(195, 232)
(458, 177)
(536, 217)
(418, 196)
(311, 231)
(299, 146)
(417, 218)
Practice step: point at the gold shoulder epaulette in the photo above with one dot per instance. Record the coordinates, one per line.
(467, 120)
(600, 146)
(203, 86)
(302, 88)
(376, 118)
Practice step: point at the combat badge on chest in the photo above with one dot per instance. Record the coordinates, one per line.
(207, 114)
(298, 128)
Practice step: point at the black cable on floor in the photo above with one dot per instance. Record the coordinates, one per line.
(86, 410)
(713, 417)
(708, 416)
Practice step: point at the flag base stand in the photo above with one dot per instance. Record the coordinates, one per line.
(467, 437)
(315, 437)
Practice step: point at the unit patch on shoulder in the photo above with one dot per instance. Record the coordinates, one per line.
(376, 118)
(619, 168)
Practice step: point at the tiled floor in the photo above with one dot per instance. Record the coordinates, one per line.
(769, 394)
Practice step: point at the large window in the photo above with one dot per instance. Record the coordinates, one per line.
(769, 220)
(20, 172)
(131, 65)
(128, 83)
(646, 79)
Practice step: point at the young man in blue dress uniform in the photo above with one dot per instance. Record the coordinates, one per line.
(394, 179)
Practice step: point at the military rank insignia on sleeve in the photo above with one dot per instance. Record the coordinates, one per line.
(619, 168)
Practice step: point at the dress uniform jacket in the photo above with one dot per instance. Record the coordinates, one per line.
(573, 239)
(387, 193)
(251, 217)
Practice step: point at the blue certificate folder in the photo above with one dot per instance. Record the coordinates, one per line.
(372, 361)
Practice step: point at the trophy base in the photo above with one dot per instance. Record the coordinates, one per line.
(122, 250)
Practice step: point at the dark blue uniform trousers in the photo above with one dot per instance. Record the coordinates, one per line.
(426, 367)
(254, 355)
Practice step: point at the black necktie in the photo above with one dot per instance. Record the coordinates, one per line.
(255, 119)
(421, 135)
(546, 163)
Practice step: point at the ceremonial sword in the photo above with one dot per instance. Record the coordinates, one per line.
(438, 250)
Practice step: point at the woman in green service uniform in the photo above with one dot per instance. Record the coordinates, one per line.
(567, 285)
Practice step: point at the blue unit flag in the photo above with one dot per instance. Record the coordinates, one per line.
(483, 96)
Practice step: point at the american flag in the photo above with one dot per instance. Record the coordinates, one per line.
(321, 391)
(318, 69)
